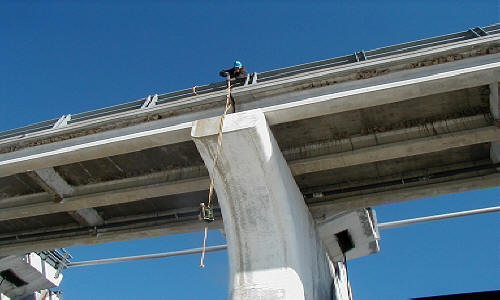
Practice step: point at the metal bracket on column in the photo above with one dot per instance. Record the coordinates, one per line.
(247, 79)
(254, 77)
(63, 121)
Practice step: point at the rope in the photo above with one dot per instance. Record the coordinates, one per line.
(216, 159)
(202, 259)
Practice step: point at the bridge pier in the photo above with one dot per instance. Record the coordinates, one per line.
(274, 249)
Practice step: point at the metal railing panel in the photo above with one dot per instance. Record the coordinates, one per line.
(106, 111)
(28, 129)
(492, 29)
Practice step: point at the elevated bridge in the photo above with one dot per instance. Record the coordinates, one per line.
(393, 124)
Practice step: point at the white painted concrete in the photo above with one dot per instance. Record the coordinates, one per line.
(362, 230)
(37, 273)
(274, 249)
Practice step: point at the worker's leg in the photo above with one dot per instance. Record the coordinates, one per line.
(274, 249)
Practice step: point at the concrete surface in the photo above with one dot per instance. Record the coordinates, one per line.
(379, 131)
(299, 105)
(37, 273)
(362, 228)
(274, 249)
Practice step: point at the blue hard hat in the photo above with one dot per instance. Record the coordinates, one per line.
(237, 64)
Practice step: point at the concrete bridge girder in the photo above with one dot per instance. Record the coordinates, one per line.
(371, 92)
(154, 185)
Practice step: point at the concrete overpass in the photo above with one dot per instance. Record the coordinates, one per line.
(383, 126)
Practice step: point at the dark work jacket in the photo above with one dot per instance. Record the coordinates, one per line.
(240, 74)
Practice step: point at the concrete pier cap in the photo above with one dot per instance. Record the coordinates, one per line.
(275, 251)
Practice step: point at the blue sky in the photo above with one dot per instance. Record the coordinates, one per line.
(60, 57)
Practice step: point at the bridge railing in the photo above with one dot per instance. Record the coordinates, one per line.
(260, 77)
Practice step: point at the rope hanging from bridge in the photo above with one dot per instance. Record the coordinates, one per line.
(206, 212)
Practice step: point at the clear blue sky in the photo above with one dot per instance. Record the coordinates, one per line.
(59, 57)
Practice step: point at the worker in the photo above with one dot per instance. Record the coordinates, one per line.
(238, 74)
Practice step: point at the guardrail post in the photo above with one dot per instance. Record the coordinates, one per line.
(63, 121)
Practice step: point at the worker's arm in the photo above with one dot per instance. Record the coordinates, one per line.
(224, 73)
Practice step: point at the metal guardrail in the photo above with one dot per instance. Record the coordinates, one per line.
(259, 77)
(57, 258)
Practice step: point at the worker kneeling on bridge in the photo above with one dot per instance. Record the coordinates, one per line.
(238, 74)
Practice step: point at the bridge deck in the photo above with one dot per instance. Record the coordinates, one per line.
(400, 123)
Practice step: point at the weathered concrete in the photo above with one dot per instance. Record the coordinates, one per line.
(30, 268)
(123, 195)
(51, 182)
(371, 92)
(256, 91)
(274, 249)
(328, 209)
(106, 235)
(495, 153)
(395, 150)
(494, 102)
(436, 136)
(362, 229)
(87, 217)
(495, 113)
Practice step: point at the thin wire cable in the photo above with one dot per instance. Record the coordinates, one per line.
(144, 257)
(400, 223)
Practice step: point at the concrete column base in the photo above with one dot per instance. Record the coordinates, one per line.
(274, 249)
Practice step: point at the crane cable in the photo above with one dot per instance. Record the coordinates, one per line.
(216, 158)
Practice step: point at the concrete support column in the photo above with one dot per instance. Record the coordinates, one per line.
(274, 249)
